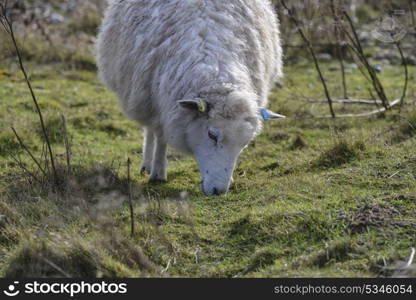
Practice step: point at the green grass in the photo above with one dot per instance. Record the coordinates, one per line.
(311, 197)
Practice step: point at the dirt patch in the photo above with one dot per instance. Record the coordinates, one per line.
(376, 215)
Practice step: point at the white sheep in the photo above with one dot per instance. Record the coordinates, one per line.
(195, 74)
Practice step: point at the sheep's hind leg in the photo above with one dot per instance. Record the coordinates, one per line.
(158, 173)
(148, 151)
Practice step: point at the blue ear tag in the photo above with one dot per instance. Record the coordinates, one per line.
(265, 114)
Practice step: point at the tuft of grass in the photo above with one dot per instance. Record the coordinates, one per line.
(298, 143)
(44, 260)
(55, 130)
(339, 154)
(62, 257)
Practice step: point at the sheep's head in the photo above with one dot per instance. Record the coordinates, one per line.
(217, 135)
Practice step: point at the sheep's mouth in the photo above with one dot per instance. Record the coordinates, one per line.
(215, 191)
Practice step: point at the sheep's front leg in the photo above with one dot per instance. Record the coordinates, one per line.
(148, 151)
(158, 173)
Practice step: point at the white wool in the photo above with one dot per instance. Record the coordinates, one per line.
(152, 53)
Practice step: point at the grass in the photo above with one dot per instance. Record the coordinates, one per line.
(311, 197)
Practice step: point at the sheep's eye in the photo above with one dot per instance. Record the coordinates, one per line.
(213, 136)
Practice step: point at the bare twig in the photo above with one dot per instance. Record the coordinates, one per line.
(411, 258)
(8, 26)
(56, 267)
(167, 267)
(3, 12)
(347, 101)
(68, 149)
(312, 51)
(328, 45)
(361, 67)
(196, 253)
(338, 32)
(358, 50)
(370, 92)
(394, 174)
(22, 166)
(412, 13)
(406, 74)
(130, 199)
(28, 152)
(364, 115)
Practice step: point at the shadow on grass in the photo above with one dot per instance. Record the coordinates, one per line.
(81, 227)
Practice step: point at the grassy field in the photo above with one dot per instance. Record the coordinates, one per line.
(311, 197)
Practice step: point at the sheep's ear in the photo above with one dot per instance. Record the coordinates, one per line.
(194, 104)
(268, 114)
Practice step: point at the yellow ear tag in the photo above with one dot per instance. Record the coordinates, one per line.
(202, 106)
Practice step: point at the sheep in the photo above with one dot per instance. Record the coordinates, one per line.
(195, 74)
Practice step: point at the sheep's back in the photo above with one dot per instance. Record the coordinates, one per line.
(152, 53)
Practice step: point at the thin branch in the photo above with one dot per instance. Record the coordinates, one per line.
(56, 267)
(358, 49)
(406, 74)
(28, 151)
(44, 156)
(347, 101)
(412, 13)
(339, 48)
(364, 115)
(67, 145)
(327, 45)
(132, 233)
(312, 51)
(361, 67)
(22, 166)
(411, 258)
(8, 25)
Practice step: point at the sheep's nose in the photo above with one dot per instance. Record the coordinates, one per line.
(212, 191)
(219, 191)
